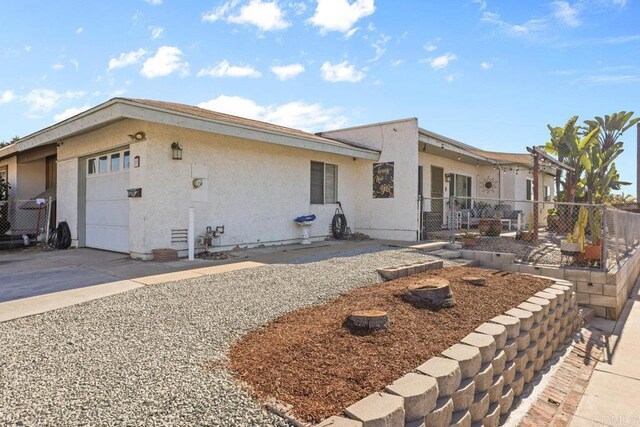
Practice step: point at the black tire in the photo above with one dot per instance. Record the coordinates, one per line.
(339, 226)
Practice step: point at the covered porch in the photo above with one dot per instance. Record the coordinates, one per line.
(459, 185)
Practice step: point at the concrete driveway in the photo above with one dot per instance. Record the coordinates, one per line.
(33, 272)
(34, 281)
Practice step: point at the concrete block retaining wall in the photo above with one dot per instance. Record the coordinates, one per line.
(605, 292)
(476, 380)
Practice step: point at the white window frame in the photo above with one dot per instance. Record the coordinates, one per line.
(465, 201)
(529, 188)
(109, 171)
(324, 186)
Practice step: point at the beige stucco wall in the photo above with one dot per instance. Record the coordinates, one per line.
(27, 179)
(254, 189)
(392, 218)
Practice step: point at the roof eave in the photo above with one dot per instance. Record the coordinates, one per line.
(120, 109)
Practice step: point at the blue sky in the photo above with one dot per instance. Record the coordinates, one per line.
(489, 73)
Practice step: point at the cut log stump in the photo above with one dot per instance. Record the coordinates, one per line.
(434, 292)
(369, 319)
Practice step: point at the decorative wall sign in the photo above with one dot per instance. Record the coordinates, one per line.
(488, 184)
(383, 174)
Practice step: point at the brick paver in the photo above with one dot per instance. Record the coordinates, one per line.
(558, 402)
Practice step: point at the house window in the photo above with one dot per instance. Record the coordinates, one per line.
(324, 183)
(115, 162)
(126, 160)
(529, 193)
(460, 187)
(547, 193)
(91, 166)
(103, 164)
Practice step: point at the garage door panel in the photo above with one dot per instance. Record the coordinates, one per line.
(114, 213)
(107, 207)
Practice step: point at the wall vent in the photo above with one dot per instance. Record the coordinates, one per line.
(179, 235)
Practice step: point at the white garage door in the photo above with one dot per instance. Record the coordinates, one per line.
(107, 209)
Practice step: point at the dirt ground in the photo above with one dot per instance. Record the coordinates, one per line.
(311, 360)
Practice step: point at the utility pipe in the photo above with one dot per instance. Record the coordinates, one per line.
(191, 240)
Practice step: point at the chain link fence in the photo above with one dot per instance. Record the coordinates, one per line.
(623, 234)
(542, 232)
(23, 222)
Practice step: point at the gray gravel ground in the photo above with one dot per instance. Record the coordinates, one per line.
(144, 357)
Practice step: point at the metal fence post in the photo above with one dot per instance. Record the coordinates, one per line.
(453, 224)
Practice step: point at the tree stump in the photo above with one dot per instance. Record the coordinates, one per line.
(475, 280)
(434, 292)
(369, 319)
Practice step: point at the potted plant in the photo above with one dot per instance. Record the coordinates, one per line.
(593, 250)
(490, 226)
(553, 220)
(575, 241)
(470, 240)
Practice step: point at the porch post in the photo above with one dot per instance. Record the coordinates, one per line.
(536, 171)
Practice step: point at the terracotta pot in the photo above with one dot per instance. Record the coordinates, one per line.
(470, 242)
(553, 222)
(490, 227)
(593, 252)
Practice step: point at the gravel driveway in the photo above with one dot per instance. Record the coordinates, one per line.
(144, 357)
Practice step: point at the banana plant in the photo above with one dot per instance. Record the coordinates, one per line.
(572, 147)
(602, 177)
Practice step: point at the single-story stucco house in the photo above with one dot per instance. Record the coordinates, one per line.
(127, 172)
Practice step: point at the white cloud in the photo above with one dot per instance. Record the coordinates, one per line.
(155, 31)
(298, 7)
(167, 60)
(340, 15)
(452, 77)
(44, 100)
(79, 30)
(430, 47)
(565, 13)
(341, 72)
(380, 47)
(442, 61)
(266, 15)
(350, 33)
(486, 65)
(154, 2)
(285, 72)
(482, 4)
(70, 112)
(7, 96)
(75, 63)
(296, 114)
(224, 69)
(27, 49)
(397, 62)
(57, 66)
(527, 28)
(126, 59)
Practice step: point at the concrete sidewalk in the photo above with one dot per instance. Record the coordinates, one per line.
(612, 397)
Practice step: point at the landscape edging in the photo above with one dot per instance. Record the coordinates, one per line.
(478, 378)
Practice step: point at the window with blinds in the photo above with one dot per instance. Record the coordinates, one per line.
(324, 183)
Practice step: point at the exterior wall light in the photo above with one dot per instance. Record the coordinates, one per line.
(447, 177)
(176, 151)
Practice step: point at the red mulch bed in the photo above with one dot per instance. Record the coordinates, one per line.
(309, 359)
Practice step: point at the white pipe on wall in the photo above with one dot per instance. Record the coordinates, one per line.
(191, 238)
